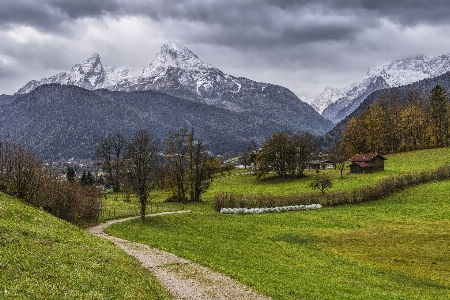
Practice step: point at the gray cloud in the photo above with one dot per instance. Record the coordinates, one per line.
(242, 23)
(50, 15)
(313, 42)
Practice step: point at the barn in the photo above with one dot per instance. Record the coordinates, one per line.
(367, 163)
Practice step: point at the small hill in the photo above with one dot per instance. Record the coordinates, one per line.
(42, 257)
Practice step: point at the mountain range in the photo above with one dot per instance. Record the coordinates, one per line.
(417, 91)
(65, 115)
(335, 104)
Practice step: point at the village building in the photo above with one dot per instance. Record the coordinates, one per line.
(367, 163)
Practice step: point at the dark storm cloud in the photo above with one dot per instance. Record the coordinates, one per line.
(49, 15)
(252, 36)
(262, 23)
(402, 12)
(240, 23)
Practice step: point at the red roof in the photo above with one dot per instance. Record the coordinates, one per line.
(366, 157)
(363, 164)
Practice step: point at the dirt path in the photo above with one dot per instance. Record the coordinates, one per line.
(182, 278)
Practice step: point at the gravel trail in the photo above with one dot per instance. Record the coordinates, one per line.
(184, 279)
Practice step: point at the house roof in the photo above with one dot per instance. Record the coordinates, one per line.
(363, 164)
(366, 157)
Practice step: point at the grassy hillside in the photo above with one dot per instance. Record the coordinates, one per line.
(396, 248)
(42, 257)
(395, 164)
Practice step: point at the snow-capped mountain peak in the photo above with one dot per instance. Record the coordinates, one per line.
(88, 72)
(329, 96)
(397, 73)
(175, 55)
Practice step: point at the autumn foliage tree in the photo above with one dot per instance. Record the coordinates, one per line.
(390, 125)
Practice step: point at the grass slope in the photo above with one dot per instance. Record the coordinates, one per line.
(42, 257)
(396, 248)
(271, 184)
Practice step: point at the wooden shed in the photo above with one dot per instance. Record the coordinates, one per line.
(367, 163)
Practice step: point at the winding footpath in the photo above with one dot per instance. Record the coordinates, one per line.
(183, 279)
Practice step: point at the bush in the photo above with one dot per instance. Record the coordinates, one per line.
(70, 201)
(22, 176)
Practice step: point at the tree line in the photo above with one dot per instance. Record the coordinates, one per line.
(390, 126)
(285, 153)
(183, 166)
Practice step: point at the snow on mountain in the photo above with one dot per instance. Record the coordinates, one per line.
(90, 74)
(178, 72)
(175, 55)
(338, 104)
(175, 67)
(330, 95)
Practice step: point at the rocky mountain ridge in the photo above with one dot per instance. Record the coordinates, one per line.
(175, 89)
(177, 71)
(402, 95)
(336, 104)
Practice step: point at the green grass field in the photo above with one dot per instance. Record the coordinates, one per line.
(42, 257)
(395, 248)
(395, 164)
(119, 205)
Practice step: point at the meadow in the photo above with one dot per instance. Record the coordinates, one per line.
(42, 257)
(394, 248)
(394, 165)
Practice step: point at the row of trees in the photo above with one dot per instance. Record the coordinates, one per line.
(285, 153)
(137, 165)
(390, 126)
(23, 175)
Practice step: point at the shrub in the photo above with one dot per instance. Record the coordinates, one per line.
(70, 201)
(22, 176)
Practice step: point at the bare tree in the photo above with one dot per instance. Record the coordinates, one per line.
(110, 151)
(141, 164)
(200, 170)
(177, 157)
(249, 156)
(21, 171)
(306, 147)
(22, 175)
(339, 157)
(189, 166)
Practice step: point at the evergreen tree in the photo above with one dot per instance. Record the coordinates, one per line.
(83, 179)
(439, 117)
(70, 174)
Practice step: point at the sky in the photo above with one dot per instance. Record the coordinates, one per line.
(304, 45)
